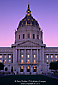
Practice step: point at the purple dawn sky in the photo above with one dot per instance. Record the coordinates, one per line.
(44, 11)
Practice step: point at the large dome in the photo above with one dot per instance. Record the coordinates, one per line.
(28, 19)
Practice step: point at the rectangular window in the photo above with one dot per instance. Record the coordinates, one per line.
(27, 56)
(55, 56)
(9, 56)
(21, 61)
(4, 61)
(33, 36)
(0, 56)
(4, 56)
(51, 56)
(1, 61)
(34, 61)
(22, 56)
(19, 36)
(9, 60)
(28, 61)
(51, 60)
(28, 35)
(47, 62)
(37, 36)
(46, 56)
(55, 60)
(23, 36)
(34, 56)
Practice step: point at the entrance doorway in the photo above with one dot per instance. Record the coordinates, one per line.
(34, 69)
(28, 68)
(21, 69)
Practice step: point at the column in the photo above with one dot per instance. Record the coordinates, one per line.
(37, 55)
(31, 69)
(40, 55)
(16, 55)
(19, 56)
(2, 58)
(49, 59)
(37, 69)
(54, 57)
(31, 55)
(7, 59)
(25, 57)
(24, 69)
(19, 69)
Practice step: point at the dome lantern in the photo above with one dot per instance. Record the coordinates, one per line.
(28, 10)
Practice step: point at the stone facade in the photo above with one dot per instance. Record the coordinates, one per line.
(28, 55)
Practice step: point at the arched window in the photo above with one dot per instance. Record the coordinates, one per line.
(33, 36)
(23, 36)
(37, 36)
(21, 69)
(34, 68)
(19, 36)
(28, 68)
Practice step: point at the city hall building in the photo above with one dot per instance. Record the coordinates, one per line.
(28, 55)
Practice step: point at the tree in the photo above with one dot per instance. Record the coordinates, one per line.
(1, 66)
(54, 66)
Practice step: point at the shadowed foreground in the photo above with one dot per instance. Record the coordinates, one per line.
(39, 79)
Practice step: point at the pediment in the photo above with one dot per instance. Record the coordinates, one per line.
(28, 44)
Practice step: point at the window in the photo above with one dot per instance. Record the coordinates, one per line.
(55, 60)
(28, 35)
(51, 56)
(21, 69)
(51, 60)
(0, 56)
(34, 56)
(33, 36)
(47, 62)
(9, 60)
(5, 56)
(19, 36)
(28, 68)
(28, 61)
(34, 68)
(21, 61)
(37, 36)
(55, 56)
(34, 61)
(23, 36)
(1, 61)
(9, 56)
(46, 56)
(28, 56)
(4, 61)
(22, 56)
